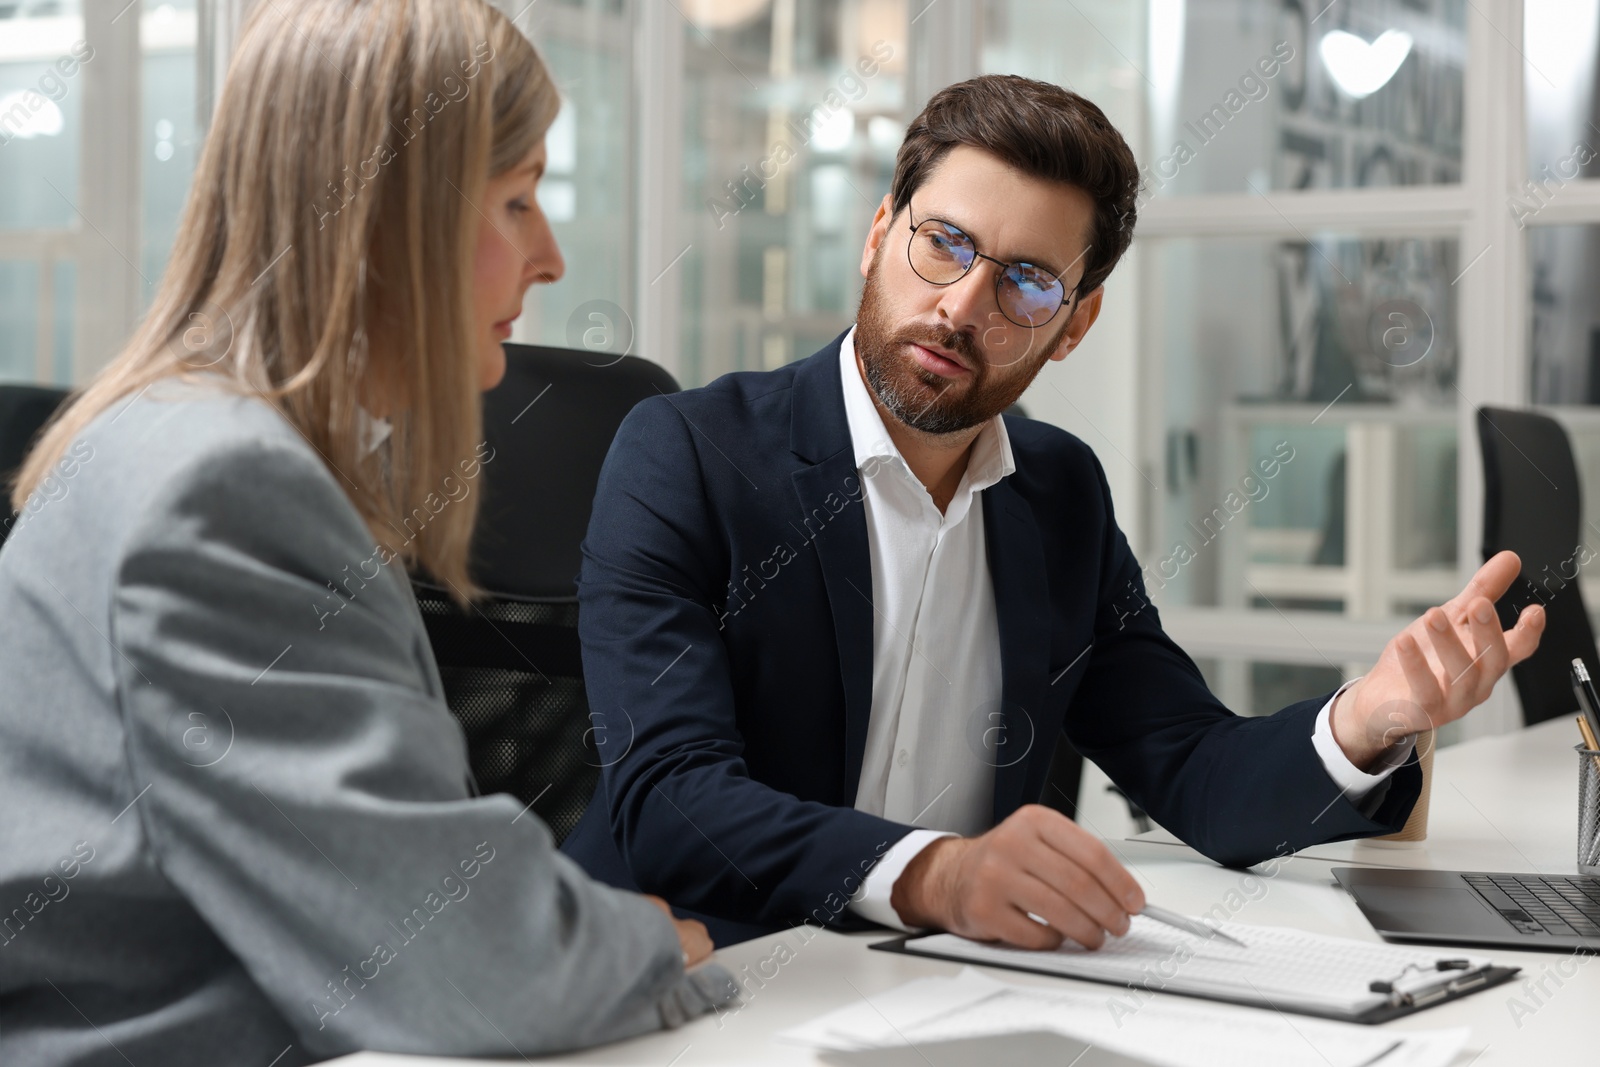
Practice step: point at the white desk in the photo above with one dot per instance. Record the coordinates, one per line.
(1499, 803)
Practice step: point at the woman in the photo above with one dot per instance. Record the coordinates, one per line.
(240, 826)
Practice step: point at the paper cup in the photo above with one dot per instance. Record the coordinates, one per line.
(1416, 827)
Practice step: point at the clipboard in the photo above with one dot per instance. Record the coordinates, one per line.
(1397, 995)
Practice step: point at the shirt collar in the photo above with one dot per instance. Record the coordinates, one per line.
(991, 458)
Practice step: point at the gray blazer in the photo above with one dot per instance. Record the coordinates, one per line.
(236, 816)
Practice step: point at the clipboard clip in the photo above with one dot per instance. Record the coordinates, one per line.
(1417, 986)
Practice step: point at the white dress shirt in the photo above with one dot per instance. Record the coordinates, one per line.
(936, 650)
(935, 635)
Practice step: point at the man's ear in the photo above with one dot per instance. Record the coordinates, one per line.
(1084, 312)
(879, 230)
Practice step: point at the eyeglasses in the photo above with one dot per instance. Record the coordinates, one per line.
(942, 254)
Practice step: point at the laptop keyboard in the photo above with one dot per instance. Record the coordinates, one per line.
(1539, 904)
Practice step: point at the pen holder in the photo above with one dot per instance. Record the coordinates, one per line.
(1588, 810)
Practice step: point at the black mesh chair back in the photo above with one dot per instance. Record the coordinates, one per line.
(24, 409)
(1532, 505)
(511, 667)
(513, 678)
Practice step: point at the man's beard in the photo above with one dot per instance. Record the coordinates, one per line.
(920, 398)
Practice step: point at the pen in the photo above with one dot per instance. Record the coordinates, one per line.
(1186, 924)
(1588, 699)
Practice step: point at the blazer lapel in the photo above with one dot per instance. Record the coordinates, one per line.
(820, 435)
(1022, 604)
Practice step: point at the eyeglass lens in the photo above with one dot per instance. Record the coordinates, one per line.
(941, 254)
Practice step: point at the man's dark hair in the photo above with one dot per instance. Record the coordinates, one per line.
(1044, 131)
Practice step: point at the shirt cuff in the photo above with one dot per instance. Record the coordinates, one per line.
(871, 901)
(1355, 783)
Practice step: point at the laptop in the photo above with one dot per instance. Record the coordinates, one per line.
(1531, 912)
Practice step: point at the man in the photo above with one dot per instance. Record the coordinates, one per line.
(835, 616)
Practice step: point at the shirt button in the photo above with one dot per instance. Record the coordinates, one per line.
(904, 757)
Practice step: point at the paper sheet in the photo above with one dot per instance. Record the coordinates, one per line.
(1159, 1029)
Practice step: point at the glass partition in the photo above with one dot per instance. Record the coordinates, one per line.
(586, 189)
(169, 141)
(42, 50)
(1256, 95)
(1309, 447)
(1560, 87)
(792, 116)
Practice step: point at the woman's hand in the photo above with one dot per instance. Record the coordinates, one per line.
(692, 936)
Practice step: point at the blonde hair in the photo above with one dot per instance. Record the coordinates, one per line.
(336, 186)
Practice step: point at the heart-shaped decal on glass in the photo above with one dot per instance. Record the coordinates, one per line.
(1360, 68)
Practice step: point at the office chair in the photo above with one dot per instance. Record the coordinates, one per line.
(511, 666)
(1532, 505)
(24, 409)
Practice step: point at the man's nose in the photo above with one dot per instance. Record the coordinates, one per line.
(966, 302)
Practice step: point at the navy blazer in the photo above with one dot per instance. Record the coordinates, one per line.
(726, 621)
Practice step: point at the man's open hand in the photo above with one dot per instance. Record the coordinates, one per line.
(1438, 668)
(1037, 861)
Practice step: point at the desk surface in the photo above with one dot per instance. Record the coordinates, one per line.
(1499, 803)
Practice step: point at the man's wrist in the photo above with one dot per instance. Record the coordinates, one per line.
(920, 895)
(1344, 731)
(1352, 736)
(871, 901)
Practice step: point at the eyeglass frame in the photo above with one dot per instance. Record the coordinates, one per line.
(1067, 295)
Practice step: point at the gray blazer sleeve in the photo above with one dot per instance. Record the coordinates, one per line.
(307, 790)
